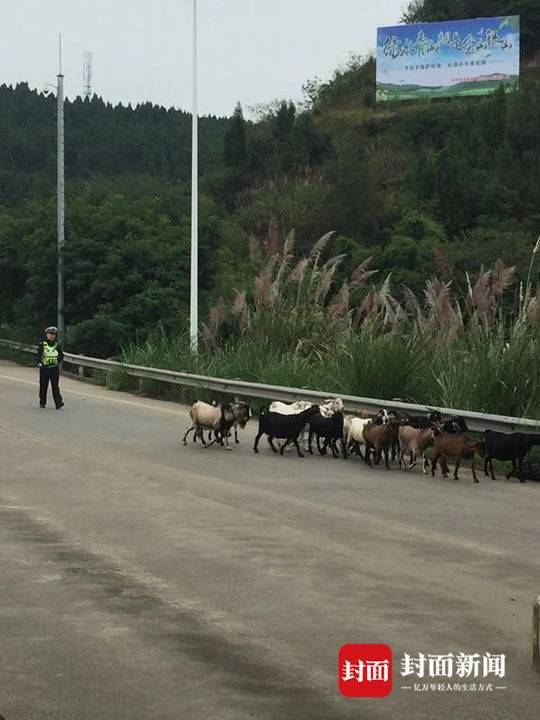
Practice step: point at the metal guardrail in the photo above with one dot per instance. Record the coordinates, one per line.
(475, 420)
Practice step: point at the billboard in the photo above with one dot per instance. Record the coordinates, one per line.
(445, 59)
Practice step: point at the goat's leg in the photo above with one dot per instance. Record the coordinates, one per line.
(218, 438)
(227, 434)
(456, 468)
(256, 444)
(344, 448)
(333, 447)
(378, 455)
(284, 445)
(444, 466)
(271, 441)
(322, 451)
(491, 469)
(473, 464)
(385, 451)
(425, 463)
(486, 463)
(434, 461)
(513, 471)
(236, 440)
(297, 446)
(367, 455)
(400, 458)
(184, 439)
(310, 441)
(520, 468)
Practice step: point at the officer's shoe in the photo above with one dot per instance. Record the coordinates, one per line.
(58, 407)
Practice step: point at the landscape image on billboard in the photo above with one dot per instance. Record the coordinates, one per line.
(445, 59)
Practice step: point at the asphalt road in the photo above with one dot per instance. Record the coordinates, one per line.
(142, 579)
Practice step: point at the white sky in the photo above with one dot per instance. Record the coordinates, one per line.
(249, 50)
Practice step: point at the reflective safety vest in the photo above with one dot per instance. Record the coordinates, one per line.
(50, 354)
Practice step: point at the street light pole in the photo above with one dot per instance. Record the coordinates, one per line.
(60, 191)
(194, 299)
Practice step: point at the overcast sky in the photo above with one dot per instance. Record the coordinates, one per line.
(250, 50)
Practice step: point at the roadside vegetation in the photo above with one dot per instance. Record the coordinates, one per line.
(473, 347)
(441, 198)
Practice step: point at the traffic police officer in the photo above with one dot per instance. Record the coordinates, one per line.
(49, 355)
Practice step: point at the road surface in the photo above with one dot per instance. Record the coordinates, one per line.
(143, 579)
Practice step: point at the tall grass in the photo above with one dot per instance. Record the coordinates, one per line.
(293, 328)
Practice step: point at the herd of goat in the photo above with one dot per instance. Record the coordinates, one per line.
(389, 434)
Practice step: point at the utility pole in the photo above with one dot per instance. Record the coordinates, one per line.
(87, 75)
(60, 190)
(194, 289)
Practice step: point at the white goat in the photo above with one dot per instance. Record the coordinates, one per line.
(218, 419)
(355, 431)
(289, 409)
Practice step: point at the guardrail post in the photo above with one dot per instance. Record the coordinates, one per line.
(535, 656)
(141, 384)
(81, 371)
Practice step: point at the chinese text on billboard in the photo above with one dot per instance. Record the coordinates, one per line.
(444, 59)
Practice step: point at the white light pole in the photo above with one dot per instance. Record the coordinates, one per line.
(60, 190)
(194, 299)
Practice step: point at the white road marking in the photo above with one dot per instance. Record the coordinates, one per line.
(174, 411)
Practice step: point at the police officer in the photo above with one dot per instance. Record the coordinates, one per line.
(49, 355)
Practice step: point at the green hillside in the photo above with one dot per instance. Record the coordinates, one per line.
(430, 187)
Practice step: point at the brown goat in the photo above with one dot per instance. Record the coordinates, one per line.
(457, 447)
(380, 439)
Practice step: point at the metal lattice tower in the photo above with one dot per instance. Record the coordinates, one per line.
(87, 75)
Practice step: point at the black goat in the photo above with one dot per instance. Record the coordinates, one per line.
(286, 427)
(331, 430)
(513, 447)
(454, 424)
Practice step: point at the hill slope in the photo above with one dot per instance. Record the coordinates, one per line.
(431, 187)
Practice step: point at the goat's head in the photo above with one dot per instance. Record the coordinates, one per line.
(433, 431)
(457, 424)
(241, 412)
(533, 439)
(310, 411)
(480, 448)
(334, 404)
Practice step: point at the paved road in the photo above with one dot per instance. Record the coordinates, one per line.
(141, 579)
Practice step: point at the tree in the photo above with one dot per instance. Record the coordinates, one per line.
(234, 142)
(284, 120)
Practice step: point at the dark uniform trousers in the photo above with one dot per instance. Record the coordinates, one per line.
(49, 374)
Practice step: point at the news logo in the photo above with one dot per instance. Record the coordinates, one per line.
(365, 670)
